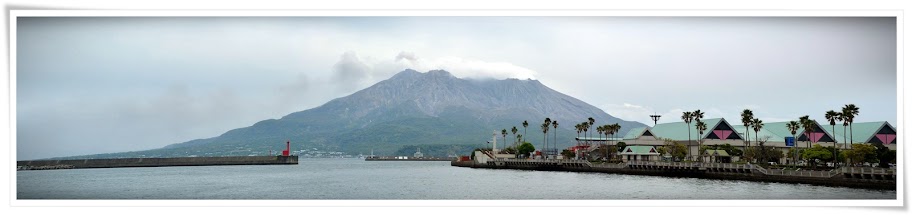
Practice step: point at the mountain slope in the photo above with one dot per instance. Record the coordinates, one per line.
(410, 108)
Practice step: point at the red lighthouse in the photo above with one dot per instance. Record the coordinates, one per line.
(287, 148)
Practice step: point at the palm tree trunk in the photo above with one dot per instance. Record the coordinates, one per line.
(689, 152)
(845, 142)
(851, 135)
(834, 147)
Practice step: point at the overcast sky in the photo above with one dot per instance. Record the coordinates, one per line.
(98, 85)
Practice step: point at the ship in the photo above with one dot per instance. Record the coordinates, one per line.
(418, 156)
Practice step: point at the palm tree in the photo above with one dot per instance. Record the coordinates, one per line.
(697, 115)
(850, 111)
(555, 133)
(519, 138)
(793, 126)
(701, 126)
(504, 133)
(586, 127)
(525, 124)
(579, 129)
(601, 130)
(746, 117)
(758, 124)
(832, 116)
(845, 124)
(688, 117)
(547, 124)
(615, 128)
(808, 126)
(544, 128)
(591, 122)
(515, 140)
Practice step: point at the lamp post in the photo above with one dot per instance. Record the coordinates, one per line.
(655, 118)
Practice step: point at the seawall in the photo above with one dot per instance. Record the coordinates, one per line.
(408, 159)
(156, 162)
(866, 178)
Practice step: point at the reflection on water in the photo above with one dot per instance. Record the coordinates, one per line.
(358, 179)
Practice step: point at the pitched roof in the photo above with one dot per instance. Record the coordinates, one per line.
(635, 133)
(777, 131)
(716, 152)
(639, 150)
(678, 130)
(763, 133)
(863, 131)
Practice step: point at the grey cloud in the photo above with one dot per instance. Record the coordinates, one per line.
(410, 56)
(350, 72)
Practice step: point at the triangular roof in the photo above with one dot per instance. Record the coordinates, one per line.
(678, 130)
(639, 150)
(716, 152)
(636, 133)
(777, 131)
(863, 131)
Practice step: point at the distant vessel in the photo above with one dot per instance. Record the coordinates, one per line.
(418, 156)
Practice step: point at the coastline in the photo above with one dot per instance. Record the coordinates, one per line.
(867, 178)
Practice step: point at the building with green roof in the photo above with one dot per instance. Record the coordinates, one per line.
(866, 132)
(720, 132)
(639, 153)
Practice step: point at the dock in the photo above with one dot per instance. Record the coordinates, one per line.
(155, 162)
(855, 177)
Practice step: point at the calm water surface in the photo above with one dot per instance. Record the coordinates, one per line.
(358, 179)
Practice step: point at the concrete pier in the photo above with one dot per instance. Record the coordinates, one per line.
(155, 162)
(855, 177)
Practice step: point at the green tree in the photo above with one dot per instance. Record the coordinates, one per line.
(860, 153)
(621, 146)
(746, 117)
(817, 153)
(675, 149)
(568, 154)
(525, 148)
(884, 155)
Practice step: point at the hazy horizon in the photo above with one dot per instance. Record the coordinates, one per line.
(91, 85)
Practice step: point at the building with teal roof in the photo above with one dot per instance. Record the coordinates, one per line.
(639, 153)
(865, 132)
(720, 131)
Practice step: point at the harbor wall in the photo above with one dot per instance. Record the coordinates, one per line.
(741, 172)
(157, 162)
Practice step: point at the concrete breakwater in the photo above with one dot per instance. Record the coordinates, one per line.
(855, 177)
(154, 162)
(402, 158)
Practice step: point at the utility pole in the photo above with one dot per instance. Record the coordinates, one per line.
(655, 119)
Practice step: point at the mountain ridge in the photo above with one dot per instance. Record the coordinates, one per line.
(411, 108)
